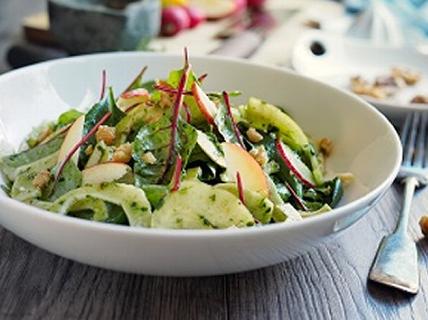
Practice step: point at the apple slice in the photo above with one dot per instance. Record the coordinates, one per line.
(73, 136)
(293, 162)
(106, 172)
(215, 9)
(205, 105)
(131, 98)
(239, 160)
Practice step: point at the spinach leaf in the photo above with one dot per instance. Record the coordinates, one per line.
(336, 191)
(224, 124)
(282, 190)
(156, 138)
(116, 215)
(71, 178)
(116, 113)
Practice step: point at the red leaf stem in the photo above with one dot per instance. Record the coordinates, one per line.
(79, 144)
(177, 174)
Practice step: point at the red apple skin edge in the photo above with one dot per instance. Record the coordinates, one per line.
(197, 94)
(290, 166)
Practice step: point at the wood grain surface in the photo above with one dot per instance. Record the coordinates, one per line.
(327, 283)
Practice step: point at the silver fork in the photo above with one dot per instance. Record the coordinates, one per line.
(396, 262)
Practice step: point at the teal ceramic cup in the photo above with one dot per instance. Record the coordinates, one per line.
(84, 26)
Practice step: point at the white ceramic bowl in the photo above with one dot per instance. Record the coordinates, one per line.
(365, 144)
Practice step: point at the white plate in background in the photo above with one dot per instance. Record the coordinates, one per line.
(346, 57)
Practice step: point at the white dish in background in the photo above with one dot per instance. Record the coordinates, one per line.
(365, 144)
(346, 57)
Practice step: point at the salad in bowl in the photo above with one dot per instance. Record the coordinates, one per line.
(168, 154)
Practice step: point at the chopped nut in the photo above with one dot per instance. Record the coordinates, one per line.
(260, 155)
(423, 223)
(409, 77)
(362, 87)
(358, 81)
(389, 81)
(326, 146)
(420, 99)
(347, 178)
(89, 150)
(123, 153)
(106, 134)
(41, 179)
(149, 158)
(253, 135)
(312, 24)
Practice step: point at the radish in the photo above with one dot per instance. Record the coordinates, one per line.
(292, 161)
(196, 16)
(174, 20)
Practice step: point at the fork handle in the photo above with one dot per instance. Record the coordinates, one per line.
(410, 184)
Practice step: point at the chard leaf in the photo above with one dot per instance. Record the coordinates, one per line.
(156, 138)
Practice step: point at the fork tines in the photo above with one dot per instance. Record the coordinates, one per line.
(413, 139)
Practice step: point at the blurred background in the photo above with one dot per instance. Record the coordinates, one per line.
(350, 43)
(36, 30)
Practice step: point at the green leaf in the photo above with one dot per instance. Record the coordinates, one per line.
(224, 124)
(28, 156)
(71, 178)
(34, 137)
(156, 138)
(173, 80)
(67, 117)
(138, 80)
(94, 115)
(148, 85)
(155, 194)
(117, 114)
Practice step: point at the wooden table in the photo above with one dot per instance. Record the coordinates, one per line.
(328, 283)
